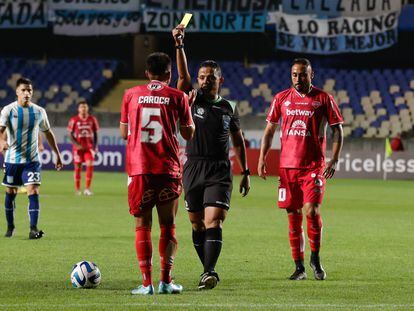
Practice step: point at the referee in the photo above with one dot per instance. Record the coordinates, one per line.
(207, 174)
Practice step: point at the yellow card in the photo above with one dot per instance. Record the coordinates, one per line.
(186, 19)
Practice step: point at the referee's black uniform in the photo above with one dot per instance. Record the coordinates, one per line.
(207, 174)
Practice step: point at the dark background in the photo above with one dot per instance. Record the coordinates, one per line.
(250, 47)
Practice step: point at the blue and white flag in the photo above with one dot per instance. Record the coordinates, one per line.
(358, 26)
(23, 14)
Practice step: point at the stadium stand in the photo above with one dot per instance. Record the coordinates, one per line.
(375, 103)
(59, 83)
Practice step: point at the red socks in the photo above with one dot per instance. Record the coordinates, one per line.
(296, 236)
(77, 177)
(143, 247)
(314, 224)
(167, 248)
(89, 174)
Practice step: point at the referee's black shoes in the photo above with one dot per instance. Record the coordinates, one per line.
(208, 280)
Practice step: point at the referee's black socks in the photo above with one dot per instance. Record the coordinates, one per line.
(198, 242)
(212, 248)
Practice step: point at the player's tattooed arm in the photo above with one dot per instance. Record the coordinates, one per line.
(337, 133)
(337, 143)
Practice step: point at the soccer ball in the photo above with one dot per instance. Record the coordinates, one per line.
(85, 274)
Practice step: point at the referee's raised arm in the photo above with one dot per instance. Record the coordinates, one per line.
(184, 78)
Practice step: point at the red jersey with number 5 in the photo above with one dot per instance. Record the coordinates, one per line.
(303, 121)
(83, 130)
(151, 112)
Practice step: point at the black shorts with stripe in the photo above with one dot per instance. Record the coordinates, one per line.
(207, 183)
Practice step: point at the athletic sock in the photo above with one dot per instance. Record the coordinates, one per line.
(33, 209)
(198, 242)
(296, 236)
(143, 248)
(314, 257)
(314, 224)
(9, 206)
(212, 248)
(300, 265)
(77, 177)
(89, 175)
(167, 248)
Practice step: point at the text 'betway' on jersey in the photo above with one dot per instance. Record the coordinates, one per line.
(153, 100)
(299, 112)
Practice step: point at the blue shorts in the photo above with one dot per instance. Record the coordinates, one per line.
(16, 175)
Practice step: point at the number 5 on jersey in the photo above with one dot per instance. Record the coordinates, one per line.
(151, 130)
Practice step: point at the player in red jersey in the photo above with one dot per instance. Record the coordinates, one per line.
(149, 118)
(303, 112)
(83, 130)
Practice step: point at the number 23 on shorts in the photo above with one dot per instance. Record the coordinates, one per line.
(33, 177)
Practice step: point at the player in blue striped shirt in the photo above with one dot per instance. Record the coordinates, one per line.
(22, 120)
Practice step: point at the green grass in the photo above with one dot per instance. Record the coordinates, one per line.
(367, 251)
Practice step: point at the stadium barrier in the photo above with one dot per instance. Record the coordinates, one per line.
(376, 165)
(352, 164)
(111, 158)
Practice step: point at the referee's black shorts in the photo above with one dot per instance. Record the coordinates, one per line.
(207, 183)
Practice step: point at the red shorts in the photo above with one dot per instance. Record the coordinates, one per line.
(145, 191)
(300, 186)
(82, 156)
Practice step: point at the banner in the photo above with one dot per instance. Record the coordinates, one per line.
(112, 159)
(109, 158)
(110, 136)
(272, 162)
(23, 14)
(308, 25)
(101, 5)
(235, 6)
(206, 21)
(334, 8)
(94, 23)
(309, 34)
(363, 165)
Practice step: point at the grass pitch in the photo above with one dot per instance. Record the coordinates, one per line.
(367, 251)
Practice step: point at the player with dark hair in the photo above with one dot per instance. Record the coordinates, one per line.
(149, 118)
(83, 132)
(303, 112)
(207, 175)
(22, 120)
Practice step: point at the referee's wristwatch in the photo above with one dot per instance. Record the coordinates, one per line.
(246, 172)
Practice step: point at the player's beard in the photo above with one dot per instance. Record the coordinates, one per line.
(206, 88)
(301, 88)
